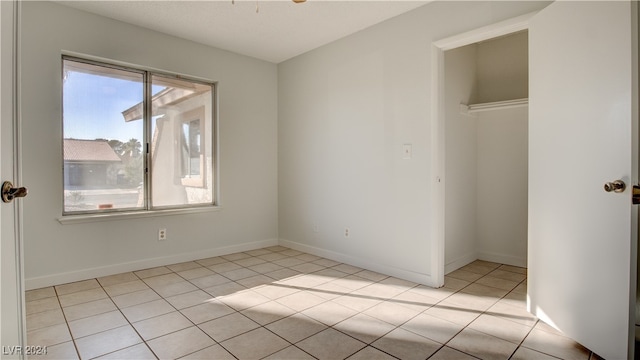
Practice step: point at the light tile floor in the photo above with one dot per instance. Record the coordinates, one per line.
(279, 303)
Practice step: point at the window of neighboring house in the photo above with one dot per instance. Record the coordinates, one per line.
(191, 143)
(135, 140)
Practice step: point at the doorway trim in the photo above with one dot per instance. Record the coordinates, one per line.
(438, 158)
(13, 296)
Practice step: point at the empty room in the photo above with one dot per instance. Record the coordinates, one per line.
(319, 179)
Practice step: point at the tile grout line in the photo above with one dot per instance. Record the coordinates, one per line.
(180, 312)
(163, 298)
(269, 330)
(310, 288)
(480, 314)
(520, 344)
(301, 312)
(394, 325)
(295, 311)
(235, 311)
(64, 315)
(196, 325)
(128, 321)
(326, 300)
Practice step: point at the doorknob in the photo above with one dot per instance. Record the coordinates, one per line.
(9, 192)
(616, 186)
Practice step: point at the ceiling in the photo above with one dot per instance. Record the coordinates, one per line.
(278, 31)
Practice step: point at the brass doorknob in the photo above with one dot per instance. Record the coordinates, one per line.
(616, 186)
(9, 192)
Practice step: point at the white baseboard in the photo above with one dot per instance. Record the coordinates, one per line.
(409, 275)
(502, 258)
(84, 274)
(460, 262)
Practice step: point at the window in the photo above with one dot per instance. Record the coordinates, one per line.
(191, 142)
(135, 140)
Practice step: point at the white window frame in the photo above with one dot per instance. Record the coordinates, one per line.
(148, 209)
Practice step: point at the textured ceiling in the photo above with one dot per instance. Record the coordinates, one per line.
(279, 30)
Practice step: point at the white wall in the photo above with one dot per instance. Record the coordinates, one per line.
(503, 74)
(461, 164)
(503, 186)
(504, 64)
(486, 154)
(345, 110)
(57, 253)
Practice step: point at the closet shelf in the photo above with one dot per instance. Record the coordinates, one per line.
(498, 105)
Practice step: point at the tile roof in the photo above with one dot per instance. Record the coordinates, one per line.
(89, 150)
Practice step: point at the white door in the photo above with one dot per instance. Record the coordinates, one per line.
(582, 134)
(11, 294)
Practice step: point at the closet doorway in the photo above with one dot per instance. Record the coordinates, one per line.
(486, 152)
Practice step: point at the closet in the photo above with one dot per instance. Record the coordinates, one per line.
(486, 143)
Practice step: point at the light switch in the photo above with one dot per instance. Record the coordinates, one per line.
(406, 151)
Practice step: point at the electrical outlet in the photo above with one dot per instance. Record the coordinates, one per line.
(347, 232)
(162, 234)
(315, 228)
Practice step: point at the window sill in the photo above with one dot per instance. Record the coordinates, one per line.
(88, 218)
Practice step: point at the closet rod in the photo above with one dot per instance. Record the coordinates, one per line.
(497, 105)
